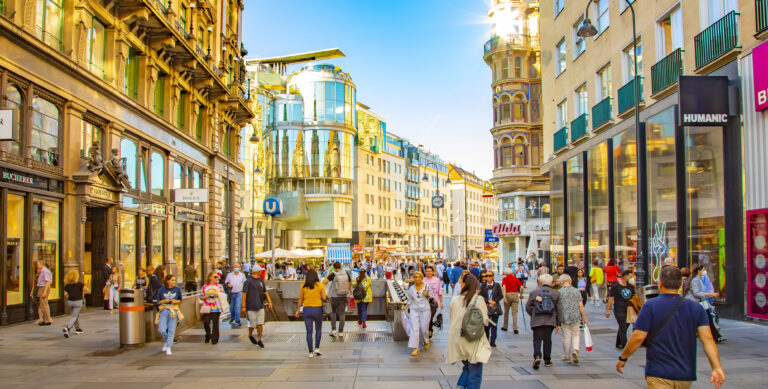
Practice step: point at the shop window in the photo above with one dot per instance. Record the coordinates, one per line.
(178, 247)
(45, 239)
(132, 74)
(48, 22)
(625, 193)
(95, 51)
(597, 173)
(14, 102)
(128, 150)
(44, 135)
(14, 251)
(157, 173)
(557, 220)
(90, 135)
(575, 212)
(128, 234)
(157, 231)
(662, 192)
(705, 188)
(197, 249)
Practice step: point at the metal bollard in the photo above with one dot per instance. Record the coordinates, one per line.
(131, 317)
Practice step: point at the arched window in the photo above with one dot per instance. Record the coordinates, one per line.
(15, 104)
(495, 110)
(128, 151)
(44, 137)
(157, 173)
(518, 67)
(495, 154)
(505, 108)
(521, 155)
(519, 109)
(506, 152)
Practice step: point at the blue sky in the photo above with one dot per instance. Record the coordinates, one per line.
(417, 63)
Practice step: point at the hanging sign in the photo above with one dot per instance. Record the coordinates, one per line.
(6, 124)
(703, 100)
(760, 74)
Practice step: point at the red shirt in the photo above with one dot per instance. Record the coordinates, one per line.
(511, 283)
(612, 273)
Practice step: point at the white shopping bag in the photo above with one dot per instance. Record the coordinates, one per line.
(406, 322)
(587, 338)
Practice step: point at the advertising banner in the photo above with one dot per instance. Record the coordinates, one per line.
(757, 268)
(760, 73)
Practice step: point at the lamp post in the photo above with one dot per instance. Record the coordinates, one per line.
(586, 30)
(254, 140)
(437, 201)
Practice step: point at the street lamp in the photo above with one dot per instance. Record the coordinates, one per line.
(254, 140)
(586, 30)
(437, 201)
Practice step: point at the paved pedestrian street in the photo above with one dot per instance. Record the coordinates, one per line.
(40, 357)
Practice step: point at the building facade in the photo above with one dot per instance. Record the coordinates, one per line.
(115, 109)
(473, 210)
(514, 55)
(681, 167)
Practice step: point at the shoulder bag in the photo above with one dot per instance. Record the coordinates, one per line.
(652, 334)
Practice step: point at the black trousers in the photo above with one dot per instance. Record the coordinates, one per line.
(715, 333)
(621, 335)
(208, 320)
(542, 336)
(432, 320)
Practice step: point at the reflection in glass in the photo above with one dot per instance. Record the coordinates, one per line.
(14, 102)
(14, 250)
(625, 189)
(45, 238)
(662, 199)
(597, 165)
(575, 182)
(178, 247)
(128, 151)
(128, 247)
(197, 250)
(558, 212)
(704, 163)
(158, 173)
(157, 228)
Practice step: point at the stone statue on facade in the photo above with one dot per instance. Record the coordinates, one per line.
(119, 164)
(95, 160)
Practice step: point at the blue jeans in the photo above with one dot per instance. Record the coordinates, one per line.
(313, 315)
(234, 307)
(471, 375)
(362, 311)
(166, 325)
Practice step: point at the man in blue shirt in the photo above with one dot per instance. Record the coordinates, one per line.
(456, 274)
(670, 323)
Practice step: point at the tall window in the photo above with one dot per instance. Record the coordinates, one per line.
(183, 17)
(562, 114)
(505, 108)
(602, 15)
(560, 57)
(629, 62)
(177, 169)
(518, 67)
(159, 100)
(44, 136)
(96, 50)
(181, 111)
(520, 154)
(15, 102)
(669, 33)
(519, 109)
(199, 124)
(90, 135)
(559, 4)
(157, 162)
(581, 100)
(579, 45)
(506, 152)
(129, 151)
(713, 10)
(132, 74)
(603, 88)
(48, 21)
(505, 69)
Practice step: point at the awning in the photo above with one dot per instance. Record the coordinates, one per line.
(339, 255)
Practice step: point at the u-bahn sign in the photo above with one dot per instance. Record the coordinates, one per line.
(273, 206)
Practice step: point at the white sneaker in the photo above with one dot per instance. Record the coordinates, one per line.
(332, 333)
(165, 348)
(311, 355)
(317, 352)
(341, 334)
(168, 351)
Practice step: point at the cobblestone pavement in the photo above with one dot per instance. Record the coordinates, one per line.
(40, 357)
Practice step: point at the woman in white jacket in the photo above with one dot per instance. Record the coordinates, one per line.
(421, 315)
(474, 354)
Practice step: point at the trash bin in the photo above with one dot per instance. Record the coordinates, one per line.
(131, 317)
(651, 291)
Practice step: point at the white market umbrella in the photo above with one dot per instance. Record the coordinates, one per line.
(279, 253)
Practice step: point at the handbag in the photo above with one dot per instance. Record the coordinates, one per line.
(587, 338)
(221, 301)
(204, 308)
(631, 315)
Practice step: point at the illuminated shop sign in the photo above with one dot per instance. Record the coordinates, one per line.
(506, 229)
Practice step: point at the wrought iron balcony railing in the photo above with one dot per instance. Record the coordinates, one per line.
(667, 71)
(719, 38)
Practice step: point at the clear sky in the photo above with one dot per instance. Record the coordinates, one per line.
(417, 63)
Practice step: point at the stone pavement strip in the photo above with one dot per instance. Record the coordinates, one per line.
(40, 357)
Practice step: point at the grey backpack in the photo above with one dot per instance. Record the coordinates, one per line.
(472, 324)
(341, 283)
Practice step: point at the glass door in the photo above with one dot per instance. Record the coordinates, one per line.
(14, 251)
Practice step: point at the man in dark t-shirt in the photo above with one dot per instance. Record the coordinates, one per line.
(618, 297)
(255, 299)
(669, 324)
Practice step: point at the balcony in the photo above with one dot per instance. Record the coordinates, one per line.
(717, 40)
(761, 16)
(579, 127)
(666, 72)
(627, 95)
(512, 41)
(561, 139)
(601, 113)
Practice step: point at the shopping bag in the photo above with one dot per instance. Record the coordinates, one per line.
(352, 303)
(587, 338)
(406, 322)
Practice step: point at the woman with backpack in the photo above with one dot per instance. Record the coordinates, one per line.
(421, 314)
(361, 291)
(466, 341)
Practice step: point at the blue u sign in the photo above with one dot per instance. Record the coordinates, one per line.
(273, 206)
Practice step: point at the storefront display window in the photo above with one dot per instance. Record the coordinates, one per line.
(625, 189)
(597, 167)
(157, 228)
(558, 212)
(178, 247)
(14, 255)
(662, 190)
(197, 250)
(45, 239)
(575, 182)
(128, 248)
(706, 202)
